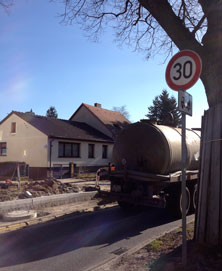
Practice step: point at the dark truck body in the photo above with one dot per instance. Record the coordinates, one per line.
(147, 160)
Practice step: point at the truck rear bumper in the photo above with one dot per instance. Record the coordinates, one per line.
(158, 202)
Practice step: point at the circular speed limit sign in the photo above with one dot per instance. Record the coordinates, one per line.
(183, 70)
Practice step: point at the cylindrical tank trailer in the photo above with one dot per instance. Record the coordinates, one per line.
(147, 160)
(156, 149)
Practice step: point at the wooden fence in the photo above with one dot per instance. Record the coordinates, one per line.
(208, 227)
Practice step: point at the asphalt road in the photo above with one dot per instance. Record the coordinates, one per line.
(81, 243)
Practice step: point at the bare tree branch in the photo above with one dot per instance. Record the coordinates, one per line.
(141, 23)
(6, 4)
(200, 23)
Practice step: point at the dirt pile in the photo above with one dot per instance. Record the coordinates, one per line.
(11, 190)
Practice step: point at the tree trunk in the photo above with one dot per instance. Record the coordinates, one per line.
(211, 53)
(208, 227)
(211, 76)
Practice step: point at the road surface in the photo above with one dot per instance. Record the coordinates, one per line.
(80, 243)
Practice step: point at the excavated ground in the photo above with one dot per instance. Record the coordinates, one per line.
(12, 190)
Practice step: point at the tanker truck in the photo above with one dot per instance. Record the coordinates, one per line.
(146, 167)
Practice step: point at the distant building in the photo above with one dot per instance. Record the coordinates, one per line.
(55, 145)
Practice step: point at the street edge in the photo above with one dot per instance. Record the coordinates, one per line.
(102, 266)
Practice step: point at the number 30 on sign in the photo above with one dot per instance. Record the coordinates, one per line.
(183, 70)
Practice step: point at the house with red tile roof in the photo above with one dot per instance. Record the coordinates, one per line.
(107, 121)
(46, 145)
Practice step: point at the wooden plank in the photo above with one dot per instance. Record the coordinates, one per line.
(220, 189)
(212, 233)
(196, 221)
(205, 174)
(201, 172)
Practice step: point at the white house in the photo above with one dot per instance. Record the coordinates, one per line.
(49, 144)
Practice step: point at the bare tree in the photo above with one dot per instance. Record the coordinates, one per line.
(6, 4)
(122, 109)
(155, 25)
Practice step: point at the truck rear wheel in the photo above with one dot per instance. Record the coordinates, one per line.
(194, 198)
(193, 203)
(174, 202)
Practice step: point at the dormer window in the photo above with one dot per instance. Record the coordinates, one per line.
(13, 127)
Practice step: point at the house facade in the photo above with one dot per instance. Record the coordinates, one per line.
(22, 142)
(54, 146)
(51, 145)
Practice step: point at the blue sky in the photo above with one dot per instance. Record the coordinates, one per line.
(45, 63)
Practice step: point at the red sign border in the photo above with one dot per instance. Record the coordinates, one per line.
(198, 63)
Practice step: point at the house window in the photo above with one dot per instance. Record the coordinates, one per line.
(67, 149)
(91, 150)
(76, 150)
(3, 148)
(13, 127)
(104, 151)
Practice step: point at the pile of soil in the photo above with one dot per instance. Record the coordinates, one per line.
(11, 190)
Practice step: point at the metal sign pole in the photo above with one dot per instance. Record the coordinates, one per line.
(183, 188)
(182, 72)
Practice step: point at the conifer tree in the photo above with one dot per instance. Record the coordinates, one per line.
(164, 110)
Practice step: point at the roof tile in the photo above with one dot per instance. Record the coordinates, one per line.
(113, 120)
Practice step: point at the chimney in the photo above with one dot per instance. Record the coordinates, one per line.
(98, 105)
(30, 112)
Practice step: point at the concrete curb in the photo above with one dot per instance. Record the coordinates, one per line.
(45, 201)
(63, 215)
